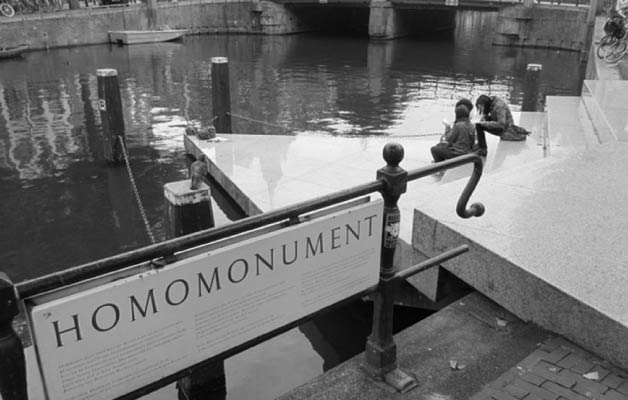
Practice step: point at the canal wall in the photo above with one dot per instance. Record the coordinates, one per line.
(91, 25)
(539, 26)
(543, 26)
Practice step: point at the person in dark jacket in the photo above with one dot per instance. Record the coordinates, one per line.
(496, 119)
(467, 103)
(457, 140)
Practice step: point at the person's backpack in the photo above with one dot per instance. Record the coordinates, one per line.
(515, 134)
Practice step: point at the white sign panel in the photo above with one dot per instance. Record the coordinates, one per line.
(112, 339)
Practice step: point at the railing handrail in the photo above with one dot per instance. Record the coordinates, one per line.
(169, 247)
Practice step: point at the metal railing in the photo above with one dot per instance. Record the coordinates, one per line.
(381, 357)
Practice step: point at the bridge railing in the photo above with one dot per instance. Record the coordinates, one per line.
(381, 354)
(566, 3)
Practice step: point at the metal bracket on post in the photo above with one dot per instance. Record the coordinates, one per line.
(12, 363)
(381, 350)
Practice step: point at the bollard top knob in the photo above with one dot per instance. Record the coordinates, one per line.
(393, 154)
(107, 72)
(219, 60)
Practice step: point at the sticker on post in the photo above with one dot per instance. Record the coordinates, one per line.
(102, 104)
(391, 230)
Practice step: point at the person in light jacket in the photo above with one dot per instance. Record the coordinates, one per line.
(496, 119)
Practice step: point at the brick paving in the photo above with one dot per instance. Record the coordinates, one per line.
(556, 371)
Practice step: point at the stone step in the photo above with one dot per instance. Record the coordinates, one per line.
(605, 102)
(548, 248)
(569, 126)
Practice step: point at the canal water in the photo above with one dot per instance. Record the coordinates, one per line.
(63, 206)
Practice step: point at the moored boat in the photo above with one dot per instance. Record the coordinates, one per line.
(145, 36)
(14, 51)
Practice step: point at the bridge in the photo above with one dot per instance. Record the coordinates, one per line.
(411, 4)
(389, 19)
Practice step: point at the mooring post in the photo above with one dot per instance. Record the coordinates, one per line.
(189, 203)
(221, 98)
(111, 116)
(12, 363)
(531, 88)
(190, 210)
(381, 350)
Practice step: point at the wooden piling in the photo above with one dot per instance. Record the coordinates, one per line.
(111, 116)
(12, 363)
(531, 88)
(190, 210)
(221, 98)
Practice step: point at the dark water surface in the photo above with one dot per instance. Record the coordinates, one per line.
(62, 206)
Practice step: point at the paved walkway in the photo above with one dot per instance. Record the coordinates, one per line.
(559, 370)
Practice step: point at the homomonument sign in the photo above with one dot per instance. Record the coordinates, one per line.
(109, 340)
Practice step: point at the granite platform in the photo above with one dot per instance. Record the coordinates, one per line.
(549, 248)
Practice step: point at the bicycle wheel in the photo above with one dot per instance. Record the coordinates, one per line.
(604, 45)
(616, 52)
(7, 10)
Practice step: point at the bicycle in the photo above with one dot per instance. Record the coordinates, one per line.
(613, 46)
(6, 9)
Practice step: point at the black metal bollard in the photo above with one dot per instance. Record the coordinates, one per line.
(111, 116)
(221, 99)
(381, 350)
(531, 88)
(12, 363)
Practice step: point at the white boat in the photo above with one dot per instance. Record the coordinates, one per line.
(148, 36)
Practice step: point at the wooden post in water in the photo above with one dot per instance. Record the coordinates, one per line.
(111, 116)
(190, 210)
(12, 363)
(531, 87)
(221, 98)
(381, 350)
(189, 203)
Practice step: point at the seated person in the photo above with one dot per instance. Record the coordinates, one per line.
(467, 103)
(496, 119)
(457, 140)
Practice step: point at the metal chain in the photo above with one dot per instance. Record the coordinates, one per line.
(259, 122)
(289, 129)
(135, 191)
(419, 135)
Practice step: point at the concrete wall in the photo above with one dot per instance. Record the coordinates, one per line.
(91, 26)
(542, 26)
(384, 21)
(539, 26)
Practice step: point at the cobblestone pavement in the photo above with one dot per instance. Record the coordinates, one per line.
(559, 370)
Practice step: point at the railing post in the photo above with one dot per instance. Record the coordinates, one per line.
(221, 99)
(111, 116)
(381, 350)
(12, 363)
(190, 210)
